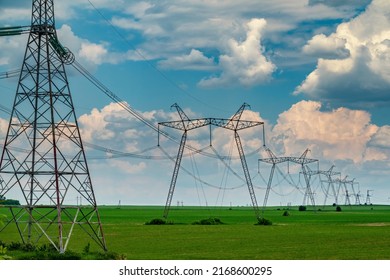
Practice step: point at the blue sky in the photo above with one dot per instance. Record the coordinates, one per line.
(316, 72)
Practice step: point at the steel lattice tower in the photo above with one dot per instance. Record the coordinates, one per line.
(234, 124)
(43, 156)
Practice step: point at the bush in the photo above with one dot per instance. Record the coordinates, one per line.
(14, 245)
(338, 209)
(9, 202)
(264, 222)
(28, 247)
(209, 221)
(302, 208)
(286, 214)
(156, 222)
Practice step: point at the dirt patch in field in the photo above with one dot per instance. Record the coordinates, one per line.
(373, 225)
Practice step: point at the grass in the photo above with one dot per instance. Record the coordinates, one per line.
(357, 232)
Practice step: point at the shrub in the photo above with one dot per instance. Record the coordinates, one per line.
(28, 247)
(302, 208)
(286, 214)
(264, 222)
(209, 221)
(156, 222)
(338, 209)
(14, 245)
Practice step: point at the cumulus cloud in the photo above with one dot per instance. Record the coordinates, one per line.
(195, 60)
(358, 73)
(326, 47)
(8, 45)
(93, 52)
(82, 48)
(381, 138)
(341, 134)
(203, 36)
(245, 62)
(10, 14)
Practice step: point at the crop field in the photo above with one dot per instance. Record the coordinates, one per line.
(356, 232)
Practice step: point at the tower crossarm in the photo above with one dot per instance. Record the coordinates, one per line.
(345, 181)
(301, 160)
(186, 125)
(329, 173)
(234, 125)
(323, 172)
(276, 160)
(273, 160)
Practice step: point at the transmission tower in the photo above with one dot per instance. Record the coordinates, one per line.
(328, 174)
(43, 159)
(302, 160)
(344, 183)
(235, 124)
(368, 197)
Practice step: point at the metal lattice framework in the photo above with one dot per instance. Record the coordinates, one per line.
(343, 183)
(328, 175)
(43, 156)
(302, 160)
(235, 124)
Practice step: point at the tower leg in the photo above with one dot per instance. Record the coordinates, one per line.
(247, 175)
(175, 174)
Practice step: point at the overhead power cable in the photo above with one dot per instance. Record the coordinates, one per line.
(9, 74)
(83, 71)
(142, 56)
(114, 97)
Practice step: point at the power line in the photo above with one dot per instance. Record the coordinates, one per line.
(142, 56)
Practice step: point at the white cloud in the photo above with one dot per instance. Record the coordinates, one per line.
(195, 60)
(127, 167)
(220, 31)
(93, 52)
(381, 138)
(88, 53)
(363, 77)
(8, 45)
(173, 31)
(341, 134)
(139, 9)
(328, 47)
(10, 14)
(244, 63)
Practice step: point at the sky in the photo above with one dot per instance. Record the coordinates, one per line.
(316, 72)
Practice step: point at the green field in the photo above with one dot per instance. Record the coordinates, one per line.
(357, 232)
